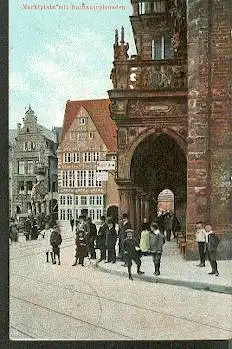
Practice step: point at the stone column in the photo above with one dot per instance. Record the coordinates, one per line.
(220, 124)
(138, 210)
(209, 124)
(198, 115)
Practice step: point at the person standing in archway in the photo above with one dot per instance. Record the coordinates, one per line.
(168, 225)
(156, 246)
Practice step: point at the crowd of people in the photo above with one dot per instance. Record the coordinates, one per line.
(131, 244)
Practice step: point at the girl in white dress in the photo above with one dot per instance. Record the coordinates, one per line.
(46, 234)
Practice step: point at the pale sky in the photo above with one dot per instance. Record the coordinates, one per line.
(56, 55)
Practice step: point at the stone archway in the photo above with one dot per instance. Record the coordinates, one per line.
(155, 161)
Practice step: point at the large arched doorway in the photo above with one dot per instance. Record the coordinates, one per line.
(159, 163)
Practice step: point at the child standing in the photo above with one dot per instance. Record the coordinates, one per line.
(56, 241)
(46, 234)
(81, 248)
(200, 239)
(156, 246)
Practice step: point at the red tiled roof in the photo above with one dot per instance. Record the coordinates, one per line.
(98, 109)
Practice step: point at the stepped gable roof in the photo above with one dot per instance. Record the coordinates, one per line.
(98, 110)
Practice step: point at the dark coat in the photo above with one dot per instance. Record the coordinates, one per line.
(111, 237)
(156, 242)
(81, 247)
(101, 237)
(72, 222)
(213, 242)
(176, 224)
(129, 247)
(122, 231)
(168, 221)
(55, 239)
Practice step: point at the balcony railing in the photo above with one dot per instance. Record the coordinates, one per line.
(157, 75)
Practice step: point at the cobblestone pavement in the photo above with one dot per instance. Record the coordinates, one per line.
(64, 302)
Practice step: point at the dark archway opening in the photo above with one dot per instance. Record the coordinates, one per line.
(159, 163)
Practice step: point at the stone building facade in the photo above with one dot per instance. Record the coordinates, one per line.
(88, 136)
(32, 153)
(172, 106)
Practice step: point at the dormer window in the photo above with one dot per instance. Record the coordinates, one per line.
(162, 47)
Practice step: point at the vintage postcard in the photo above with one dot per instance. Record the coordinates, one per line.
(120, 176)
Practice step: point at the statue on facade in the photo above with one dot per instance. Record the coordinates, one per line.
(178, 18)
(38, 197)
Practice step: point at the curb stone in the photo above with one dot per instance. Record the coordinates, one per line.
(184, 283)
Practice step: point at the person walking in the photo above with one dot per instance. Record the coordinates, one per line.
(27, 228)
(46, 235)
(34, 231)
(212, 242)
(200, 237)
(72, 223)
(111, 239)
(125, 224)
(156, 241)
(81, 248)
(101, 239)
(144, 239)
(131, 252)
(55, 241)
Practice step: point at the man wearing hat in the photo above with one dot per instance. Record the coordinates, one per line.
(130, 249)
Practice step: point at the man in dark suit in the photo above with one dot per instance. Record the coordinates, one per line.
(125, 224)
(101, 239)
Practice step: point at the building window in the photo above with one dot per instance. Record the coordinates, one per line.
(83, 200)
(76, 200)
(82, 121)
(62, 200)
(98, 183)
(81, 136)
(91, 178)
(91, 135)
(67, 157)
(21, 169)
(71, 175)
(91, 214)
(69, 200)
(87, 157)
(30, 167)
(95, 156)
(29, 187)
(64, 178)
(62, 215)
(76, 157)
(162, 47)
(92, 200)
(21, 187)
(98, 214)
(69, 214)
(155, 6)
(99, 200)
